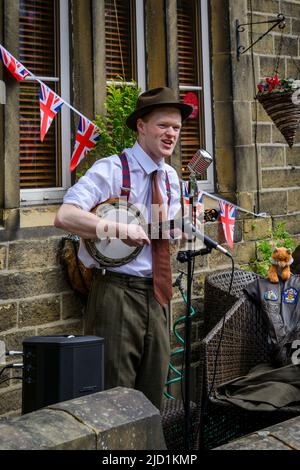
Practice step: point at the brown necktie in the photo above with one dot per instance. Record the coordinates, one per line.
(161, 266)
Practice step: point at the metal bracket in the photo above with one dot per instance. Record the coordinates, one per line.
(240, 28)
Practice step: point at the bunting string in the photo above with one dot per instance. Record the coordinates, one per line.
(241, 209)
(34, 77)
(218, 199)
(50, 104)
(228, 211)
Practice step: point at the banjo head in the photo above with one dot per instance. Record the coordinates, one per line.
(113, 252)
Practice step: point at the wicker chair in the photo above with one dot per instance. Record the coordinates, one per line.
(173, 423)
(217, 301)
(244, 344)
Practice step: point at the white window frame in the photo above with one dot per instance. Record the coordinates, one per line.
(53, 195)
(208, 184)
(140, 42)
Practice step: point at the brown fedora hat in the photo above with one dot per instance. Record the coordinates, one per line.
(155, 98)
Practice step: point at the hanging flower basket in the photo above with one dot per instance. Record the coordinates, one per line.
(275, 96)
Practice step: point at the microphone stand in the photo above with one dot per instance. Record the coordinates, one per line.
(187, 256)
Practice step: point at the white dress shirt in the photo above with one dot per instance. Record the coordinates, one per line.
(104, 180)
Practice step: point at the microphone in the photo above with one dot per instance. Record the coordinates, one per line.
(200, 162)
(206, 240)
(197, 166)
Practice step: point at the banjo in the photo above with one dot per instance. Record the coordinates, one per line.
(113, 252)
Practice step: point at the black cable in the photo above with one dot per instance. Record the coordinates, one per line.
(11, 366)
(205, 404)
(193, 217)
(3, 369)
(10, 378)
(183, 354)
(222, 333)
(191, 440)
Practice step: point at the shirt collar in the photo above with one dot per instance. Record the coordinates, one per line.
(145, 161)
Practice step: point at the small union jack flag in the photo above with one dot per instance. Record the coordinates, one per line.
(50, 104)
(86, 138)
(186, 193)
(187, 199)
(200, 206)
(16, 68)
(227, 216)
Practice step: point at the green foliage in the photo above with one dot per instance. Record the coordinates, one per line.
(279, 237)
(115, 135)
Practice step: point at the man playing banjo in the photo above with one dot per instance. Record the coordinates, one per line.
(128, 304)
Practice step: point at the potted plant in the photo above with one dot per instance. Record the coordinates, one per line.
(115, 135)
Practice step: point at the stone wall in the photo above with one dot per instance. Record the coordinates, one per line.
(35, 299)
(224, 156)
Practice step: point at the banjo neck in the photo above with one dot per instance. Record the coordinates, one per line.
(156, 229)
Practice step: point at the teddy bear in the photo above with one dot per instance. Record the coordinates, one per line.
(281, 261)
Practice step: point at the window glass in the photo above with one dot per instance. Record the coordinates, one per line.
(119, 40)
(38, 42)
(190, 79)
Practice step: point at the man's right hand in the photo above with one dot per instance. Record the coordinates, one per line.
(131, 234)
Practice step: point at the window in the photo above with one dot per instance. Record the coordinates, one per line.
(43, 49)
(124, 41)
(194, 82)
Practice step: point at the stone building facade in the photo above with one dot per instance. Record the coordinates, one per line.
(253, 165)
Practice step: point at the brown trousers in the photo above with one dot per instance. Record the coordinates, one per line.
(135, 328)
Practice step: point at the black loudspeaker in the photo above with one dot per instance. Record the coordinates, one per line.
(59, 368)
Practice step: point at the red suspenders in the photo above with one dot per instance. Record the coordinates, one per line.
(125, 188)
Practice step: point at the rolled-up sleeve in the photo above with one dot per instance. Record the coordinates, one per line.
(101, 181)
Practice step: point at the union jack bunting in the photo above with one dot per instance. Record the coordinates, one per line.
(16, 68)
(227, 216)
(86, 138)
(50, 104)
